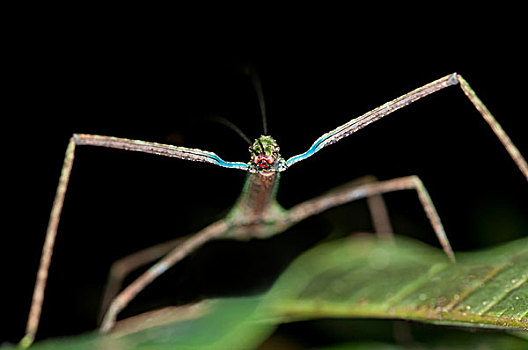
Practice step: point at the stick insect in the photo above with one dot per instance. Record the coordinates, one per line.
(256, 213)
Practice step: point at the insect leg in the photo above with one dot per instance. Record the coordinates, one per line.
(376, 204)
(51, 232)
(47, 249)
(339, 197)
(124, 266)
(213, 231)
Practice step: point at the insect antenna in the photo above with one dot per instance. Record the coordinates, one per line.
(255, 80)
(231, 126)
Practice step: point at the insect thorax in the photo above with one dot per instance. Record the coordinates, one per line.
(265, 156)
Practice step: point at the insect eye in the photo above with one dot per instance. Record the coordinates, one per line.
(264, 162)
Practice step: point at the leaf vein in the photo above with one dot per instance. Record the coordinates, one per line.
(406, 291)
(515, 286)
(477, 286)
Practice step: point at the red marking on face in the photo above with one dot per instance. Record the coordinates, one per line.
(264, 162)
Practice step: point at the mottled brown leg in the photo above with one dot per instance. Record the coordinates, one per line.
(349, 193)
(121, 268)
(376, 204)
(213, 231)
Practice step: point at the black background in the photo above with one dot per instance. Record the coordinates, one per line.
(159, 82)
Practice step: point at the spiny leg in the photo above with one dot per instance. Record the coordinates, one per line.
(121, 268)
(213, 231)
(337, 197)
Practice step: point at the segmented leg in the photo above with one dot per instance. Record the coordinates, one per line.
(121, 268)
(495, 126)
(124, 266)
(213, 231)
(338, 197)
(51, 232)
(47, 249)
(376, 204)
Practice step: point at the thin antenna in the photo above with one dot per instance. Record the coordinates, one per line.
(231, 126)
(252, 73)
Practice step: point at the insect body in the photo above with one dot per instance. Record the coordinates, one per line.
(256, 213)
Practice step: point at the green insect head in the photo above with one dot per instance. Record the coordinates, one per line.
(265, 156)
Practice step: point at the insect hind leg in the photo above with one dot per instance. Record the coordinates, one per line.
(376, 204)
(349, 193)
(121, 268)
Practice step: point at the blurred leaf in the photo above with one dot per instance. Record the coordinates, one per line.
(364, 277)
(227, 324)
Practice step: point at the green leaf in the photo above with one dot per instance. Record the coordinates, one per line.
(223, 324)
(484, 342)
(359, 277)
(364, 277)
